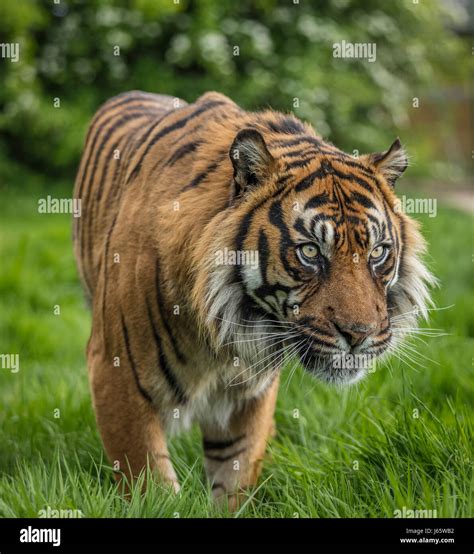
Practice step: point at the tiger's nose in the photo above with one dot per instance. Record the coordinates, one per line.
(354, 333)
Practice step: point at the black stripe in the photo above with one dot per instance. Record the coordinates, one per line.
(134, 96)
(353, 219)
(218, 458)
(317, 201)
(183, 151)
(358, 238)
(320, 341)
(298, 164)
(115, 182)
(160, 303)
(120, 145)
(109, 157)
(310, 140)
(163, 361)
(98, 188)
(97, 151)
(263, 254)
(288, 125)
(300, 153)
(308, 181)
(363, 200)
(218, 486)
(385, 268)
(123, 99)
(392, 229)
(199, 178)
(376, 222)
(169, 129)
(91, 150)
(323, 217)
(247, 222)
(187, 133)
(266, 290)
(354, 179)
(297, 141)
(352, 163)
(146, 136)
(343, 194)
(105, 261)
(300, 227)
(323, 233)
(97, 128)
(275, 216)
(142, 391)
(124, 119)
(220, 445)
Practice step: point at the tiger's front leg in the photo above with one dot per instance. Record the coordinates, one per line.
(131, 430)
(234, 456)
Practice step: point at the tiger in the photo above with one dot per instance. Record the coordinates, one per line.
(216, 244)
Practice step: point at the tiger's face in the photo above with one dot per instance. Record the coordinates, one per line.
(329, 275)
(339, 279)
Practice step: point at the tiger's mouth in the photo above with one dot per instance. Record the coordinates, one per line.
(338, 366)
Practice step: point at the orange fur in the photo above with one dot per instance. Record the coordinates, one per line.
(162, 192)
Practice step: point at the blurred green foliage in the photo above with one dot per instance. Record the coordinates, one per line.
(285, 52)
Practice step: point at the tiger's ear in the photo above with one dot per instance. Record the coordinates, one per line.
(251, 160)
(391, 163)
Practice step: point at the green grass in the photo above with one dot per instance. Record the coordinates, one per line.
(357, 452)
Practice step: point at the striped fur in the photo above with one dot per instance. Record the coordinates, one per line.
(165, 187)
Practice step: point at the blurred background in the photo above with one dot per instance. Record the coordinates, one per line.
(260, 52)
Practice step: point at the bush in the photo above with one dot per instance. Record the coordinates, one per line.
(261, 53)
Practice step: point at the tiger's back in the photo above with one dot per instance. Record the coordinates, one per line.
(168, 150)
(113, 141)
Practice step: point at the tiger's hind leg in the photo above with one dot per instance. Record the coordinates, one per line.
(131, 431)
(234, 456)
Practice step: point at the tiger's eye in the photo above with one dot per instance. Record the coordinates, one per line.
(309, 251)
(377, 252)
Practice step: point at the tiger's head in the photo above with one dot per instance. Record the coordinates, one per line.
(317, 259)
